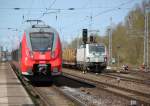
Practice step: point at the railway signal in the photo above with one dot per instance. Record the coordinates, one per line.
(84, 39)
(84, 35)
(91, 39)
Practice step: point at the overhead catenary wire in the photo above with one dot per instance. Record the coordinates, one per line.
(47, 9)
(50, 8)
(100, 13)
(114, 8)
(29, 11)
(43, 13)
(65, 9)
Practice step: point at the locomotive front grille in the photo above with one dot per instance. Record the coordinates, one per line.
(42, 69)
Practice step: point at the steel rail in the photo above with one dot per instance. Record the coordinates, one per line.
(105, 86)
(125, 78)
(75, 100)
(40, 98)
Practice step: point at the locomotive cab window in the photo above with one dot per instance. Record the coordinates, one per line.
(41, 41)
(97, 49)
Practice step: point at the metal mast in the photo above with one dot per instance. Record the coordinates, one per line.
(110, 42)
(146, 40)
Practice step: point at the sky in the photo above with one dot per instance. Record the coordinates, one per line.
(68, 17)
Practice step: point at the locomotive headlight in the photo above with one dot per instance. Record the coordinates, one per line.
(55, 70)
(53, 54)
(31, 54)
(88, 59)
(26, 60)
(105, 59)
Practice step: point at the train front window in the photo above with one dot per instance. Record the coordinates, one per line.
(41, 41)
(96, 49)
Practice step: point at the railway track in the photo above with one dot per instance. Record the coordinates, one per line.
(89, 94)
(34, 93)
(112, 84)
(40, 92)
(139, 73)
(74, 92)
(134, 73)
(48, 94)
(127, 78)
(44, 95)
(54, 96)
(124, 77)
(78, 91)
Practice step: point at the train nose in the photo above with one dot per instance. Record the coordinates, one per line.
(40, 56)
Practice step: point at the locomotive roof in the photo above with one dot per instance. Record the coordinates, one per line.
(99, 44)
(95, 44)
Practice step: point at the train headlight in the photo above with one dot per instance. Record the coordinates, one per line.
(26, 60)
(105, 59)
(55, 70)
(53, 54)
(88, 59)
(31, 54)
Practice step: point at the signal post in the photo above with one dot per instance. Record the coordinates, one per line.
(84, 39)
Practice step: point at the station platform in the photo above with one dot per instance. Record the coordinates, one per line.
(12, 93)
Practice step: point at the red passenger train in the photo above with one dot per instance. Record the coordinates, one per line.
(40, 52)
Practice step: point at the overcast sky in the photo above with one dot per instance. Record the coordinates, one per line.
(67, 16)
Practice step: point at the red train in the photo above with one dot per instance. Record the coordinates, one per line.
(40, 52)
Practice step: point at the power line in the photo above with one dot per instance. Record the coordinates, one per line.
(114, 8)
(71, 8)
(105, 11)
(47, 9)
(30, 9)
(52, 4)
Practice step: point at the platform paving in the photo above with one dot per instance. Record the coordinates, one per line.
(12, 93)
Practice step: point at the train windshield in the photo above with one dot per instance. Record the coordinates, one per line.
(41, 41)
(96, 49)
